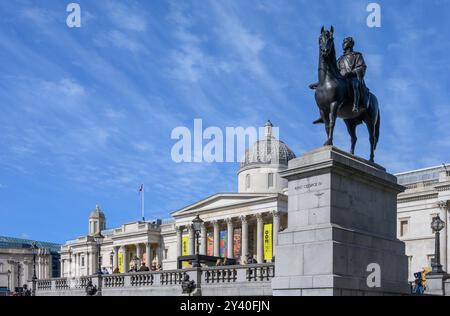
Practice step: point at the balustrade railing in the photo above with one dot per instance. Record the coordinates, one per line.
(209, 276)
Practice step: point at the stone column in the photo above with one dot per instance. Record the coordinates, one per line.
(259, 238)
(115, 257)
(148, 254)
(230, 232)
(179, 231)
(74, 265)
(448, 238)
(445, 235)
(158, 254)
(123, 250)
(77, 264)
(138, 251)
(216, 238)
(62, 268)
(203, 239)
(192, 244)
(244, 239)
(276, 229)
(39, 265)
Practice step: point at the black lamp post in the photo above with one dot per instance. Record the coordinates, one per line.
(437, 225)
(19, 269)
(34, 249)
(111, 260)
(197, 223)
(98, 240)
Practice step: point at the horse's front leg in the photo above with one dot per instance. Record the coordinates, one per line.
(326, 119)
(332, 122)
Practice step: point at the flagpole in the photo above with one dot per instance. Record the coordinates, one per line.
(143, 201)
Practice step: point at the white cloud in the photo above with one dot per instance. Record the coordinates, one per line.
(127, 17)
(120, 40)
(65, 87)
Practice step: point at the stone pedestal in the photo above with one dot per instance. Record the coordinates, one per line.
(436, 284)
(342, 222)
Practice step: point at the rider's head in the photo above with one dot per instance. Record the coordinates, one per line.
(348, 43)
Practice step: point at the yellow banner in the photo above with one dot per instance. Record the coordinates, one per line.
(268, 253)
(120, 263)
(185, 249)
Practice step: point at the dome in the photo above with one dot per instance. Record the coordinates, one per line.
(97, 213)
(269, 151)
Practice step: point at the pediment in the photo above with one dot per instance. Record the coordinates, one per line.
(222, 200)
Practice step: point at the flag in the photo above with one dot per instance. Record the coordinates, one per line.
(141, 189)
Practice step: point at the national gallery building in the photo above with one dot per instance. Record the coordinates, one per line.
(247, 223)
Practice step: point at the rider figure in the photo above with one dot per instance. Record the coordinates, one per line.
(352, 66)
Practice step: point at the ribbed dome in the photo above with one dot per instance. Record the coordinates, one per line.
(97, 213)
(268, 151)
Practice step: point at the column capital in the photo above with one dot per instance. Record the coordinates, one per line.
(259, 216)
(229, 220)
(179, 229)
(276, 213)
(215, 222)
(444, 205)
(243, 219)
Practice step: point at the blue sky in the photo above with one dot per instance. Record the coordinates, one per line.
(86, 114)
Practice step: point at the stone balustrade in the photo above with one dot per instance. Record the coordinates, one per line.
(226, 280)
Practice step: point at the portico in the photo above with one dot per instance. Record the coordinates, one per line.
(235, 234)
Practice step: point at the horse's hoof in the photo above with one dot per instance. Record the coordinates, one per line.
(328, 143)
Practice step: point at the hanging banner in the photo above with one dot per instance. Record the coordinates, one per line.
(237, 243)
(268, 253)
(120, 263)
(185, 250)
(223, 244)
(210, 244)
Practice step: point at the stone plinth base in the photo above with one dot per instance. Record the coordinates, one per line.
(436, 284)
(342, 222)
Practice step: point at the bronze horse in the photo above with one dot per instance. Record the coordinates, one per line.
(334, 97)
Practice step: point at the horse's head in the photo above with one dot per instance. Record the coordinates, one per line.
(326, 41)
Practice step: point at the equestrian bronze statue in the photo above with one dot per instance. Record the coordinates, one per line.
(342, 92)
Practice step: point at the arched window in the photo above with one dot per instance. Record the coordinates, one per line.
(270, 180)
(247, 181)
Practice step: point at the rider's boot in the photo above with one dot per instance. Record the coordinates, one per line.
(318, 121)
(314, 86)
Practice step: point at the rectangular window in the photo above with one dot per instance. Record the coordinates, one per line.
(166, 252)
(410, 258)
(270, 180)
(82, 261)
(403, 228)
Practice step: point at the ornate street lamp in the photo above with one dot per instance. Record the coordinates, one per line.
(437, 225)
(98, 240)
(197, 223)
(34, 249)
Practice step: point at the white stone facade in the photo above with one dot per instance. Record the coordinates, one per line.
(427, 195)
(17, 263)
